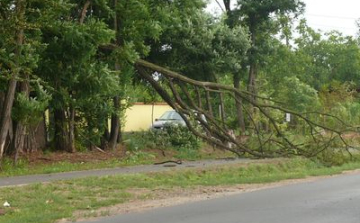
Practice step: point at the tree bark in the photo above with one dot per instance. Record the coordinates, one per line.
(238, 104)
(72, 148)
(222, 109)
(253, 62)
(19, 141)
(252, 79)
(6, 115)
(21, 128)
(105, 138)
(227, 5)
(115, 121)
(60, 132)
(84, 11)
(115, 125)
(2, 99)
(208, 103)
(236, 76)
(10, 96)
(40, 132)
(218, 134)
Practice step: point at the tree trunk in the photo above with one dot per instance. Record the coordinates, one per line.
(19, 141)
(21, 128)
(60, 132)
(2, 99)
(251, 82)
(222, 110)
(115, 125)
(238, 104)
(10, 96)
(236, 76)
(253, 64)
(40, 132)
(83, 11)
(115, 121)
(72, 148)
(105, 138)
(6, 115)
(208, 103)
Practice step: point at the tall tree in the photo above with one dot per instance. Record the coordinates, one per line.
(257, 16)
(18, 17)
(329, 56)
(71, 56)
(133, 21)
(207, 50)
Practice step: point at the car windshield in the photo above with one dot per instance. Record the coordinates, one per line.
(170, 115)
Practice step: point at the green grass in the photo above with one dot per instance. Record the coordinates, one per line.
(140, 147)
(133, 158)
(23, 168)
(8, 169)
(44, 203)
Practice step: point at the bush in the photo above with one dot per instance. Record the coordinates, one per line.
(333, 157)
(176, 137)
(180, 136)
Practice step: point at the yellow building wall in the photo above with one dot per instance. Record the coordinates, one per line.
(139, 116)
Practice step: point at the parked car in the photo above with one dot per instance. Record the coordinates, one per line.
(168, 118)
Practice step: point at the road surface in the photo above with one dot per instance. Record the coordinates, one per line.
(330, 200)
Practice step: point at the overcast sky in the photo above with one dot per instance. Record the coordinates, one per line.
(328, 14)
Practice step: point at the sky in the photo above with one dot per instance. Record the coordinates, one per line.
(326, 15)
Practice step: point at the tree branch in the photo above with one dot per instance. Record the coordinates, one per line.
(186, 100)
(83, 11)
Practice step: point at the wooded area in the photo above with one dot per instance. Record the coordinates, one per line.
(268, 84)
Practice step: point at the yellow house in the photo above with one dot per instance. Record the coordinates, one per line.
(140, 116)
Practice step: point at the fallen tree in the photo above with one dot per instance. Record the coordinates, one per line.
(268, 134)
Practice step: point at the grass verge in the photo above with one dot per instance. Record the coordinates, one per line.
(23, 168)
(44, 203)
(132, 158)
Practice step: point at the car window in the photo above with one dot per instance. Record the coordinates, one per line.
(170, 115)
(176, 116)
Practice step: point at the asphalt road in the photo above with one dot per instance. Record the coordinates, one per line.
(330, 200)
(42, 178)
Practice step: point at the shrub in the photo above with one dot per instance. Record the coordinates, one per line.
(176, 137)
